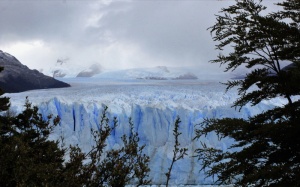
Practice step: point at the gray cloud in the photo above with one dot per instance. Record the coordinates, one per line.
(116, 33)
(173, 30)
(48, 20)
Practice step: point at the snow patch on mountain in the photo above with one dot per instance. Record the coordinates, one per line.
(9, 58)
(164, 73)
(91, 71)
(63, 68)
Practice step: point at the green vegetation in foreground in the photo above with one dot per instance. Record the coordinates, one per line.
(266, 151)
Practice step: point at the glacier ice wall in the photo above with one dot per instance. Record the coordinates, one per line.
(155, 127)
(153, 109)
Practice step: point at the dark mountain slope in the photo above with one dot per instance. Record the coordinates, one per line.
(17, 77)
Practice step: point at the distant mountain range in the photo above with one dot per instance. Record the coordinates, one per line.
(64, 69)
(155, 73)
(17, 77)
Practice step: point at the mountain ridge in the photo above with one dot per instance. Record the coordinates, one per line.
(17, 77)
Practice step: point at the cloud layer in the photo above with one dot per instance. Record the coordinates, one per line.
(116, 34)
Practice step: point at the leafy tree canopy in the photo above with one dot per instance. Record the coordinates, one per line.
(267, 144)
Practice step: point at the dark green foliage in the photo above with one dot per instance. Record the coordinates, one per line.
(266, 151)
(178, 153)
(75, 173)
(127, 164)
(27, 157)
(259, 40)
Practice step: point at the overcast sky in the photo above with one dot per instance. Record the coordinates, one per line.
(117, 34)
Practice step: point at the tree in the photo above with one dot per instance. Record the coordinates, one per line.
(266, 151)
(127, 164)
(178, 153)
(27, 157)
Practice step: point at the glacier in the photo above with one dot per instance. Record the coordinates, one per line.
(153, 107)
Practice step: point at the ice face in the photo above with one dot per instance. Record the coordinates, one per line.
(153, 107)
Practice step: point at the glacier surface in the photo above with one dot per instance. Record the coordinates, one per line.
(153, 107)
